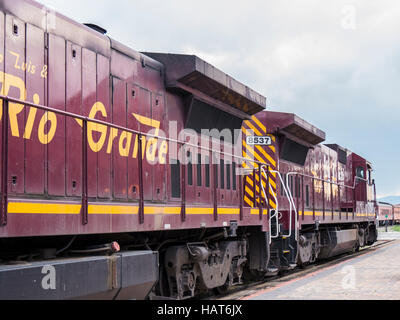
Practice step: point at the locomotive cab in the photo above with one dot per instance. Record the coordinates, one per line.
(364, 185)
(371, 194)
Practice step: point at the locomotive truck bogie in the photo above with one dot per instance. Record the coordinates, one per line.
(196, 267)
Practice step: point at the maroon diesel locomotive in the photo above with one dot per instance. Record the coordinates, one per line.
(326, 200)
(128, 175)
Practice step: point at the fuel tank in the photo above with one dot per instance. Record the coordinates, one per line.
(335, 242)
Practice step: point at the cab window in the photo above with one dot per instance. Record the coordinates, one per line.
(360, 172)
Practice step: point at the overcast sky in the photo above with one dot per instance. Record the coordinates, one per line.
(334, 63)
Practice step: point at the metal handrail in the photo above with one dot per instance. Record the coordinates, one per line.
(276, 210)
(111, 125)
(85, 121)
(289, 195)
(291, 202)
(329, 181)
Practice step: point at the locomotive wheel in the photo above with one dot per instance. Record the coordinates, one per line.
(222, 290)
(255, 275)
(303, 265)
(283, 272)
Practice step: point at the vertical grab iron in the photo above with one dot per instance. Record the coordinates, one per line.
(85, 218)
(215, 199)
(141, 190)
(268, 193)
(4, 164)
(241, 196)
(260, 205)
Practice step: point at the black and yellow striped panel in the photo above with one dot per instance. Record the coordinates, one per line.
(263, 154)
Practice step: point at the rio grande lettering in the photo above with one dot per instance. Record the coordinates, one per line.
(128, 143)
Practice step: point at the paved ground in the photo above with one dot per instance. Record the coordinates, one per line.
(383, 235)
(372, 276)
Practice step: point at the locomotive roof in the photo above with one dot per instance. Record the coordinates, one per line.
(35, 14)
(191, 74)
(292, 125)
(186, 72)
